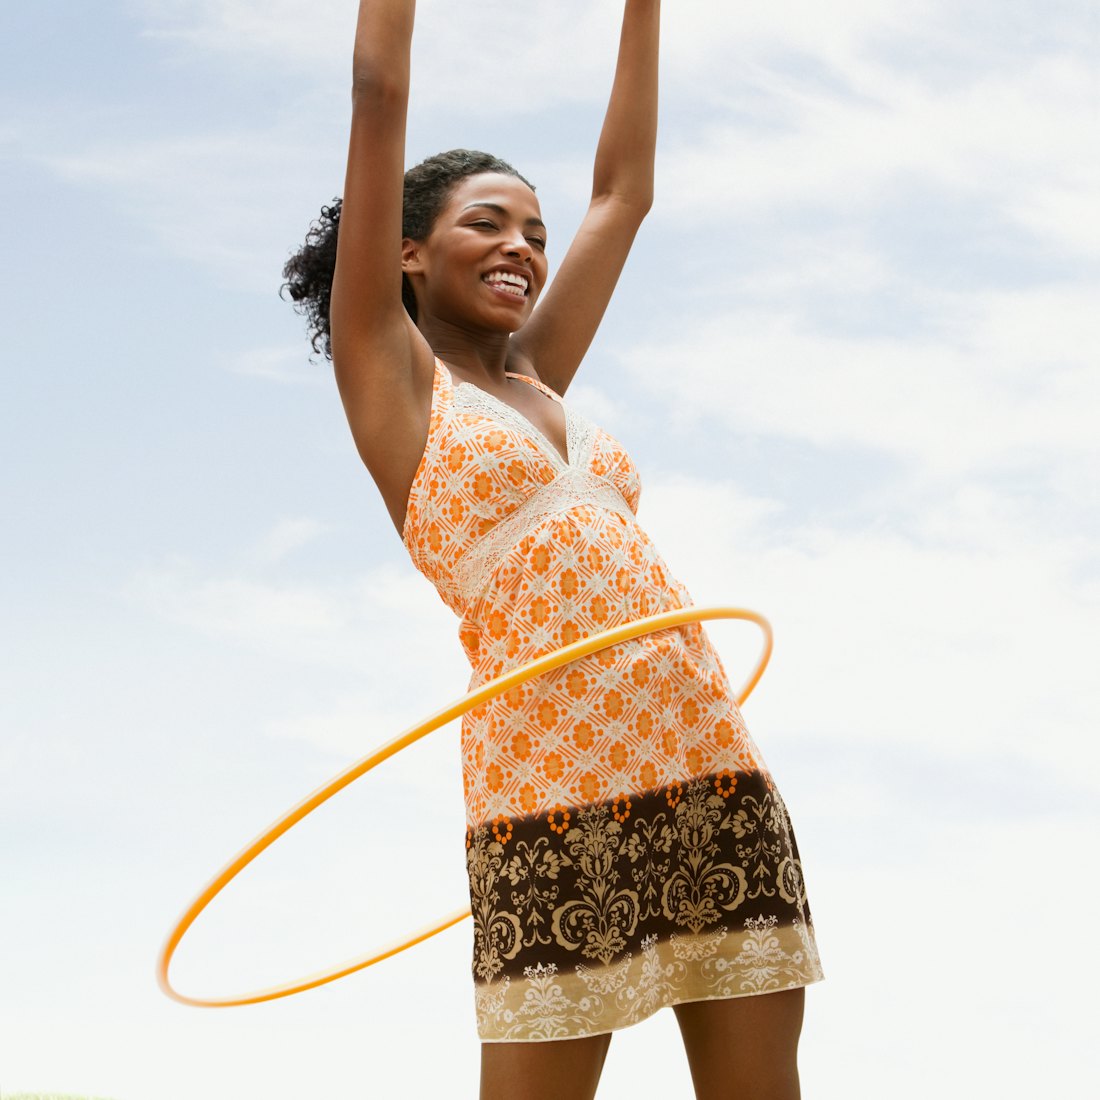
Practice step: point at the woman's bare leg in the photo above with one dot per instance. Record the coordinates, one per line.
(564, 1069)
(745, 1048)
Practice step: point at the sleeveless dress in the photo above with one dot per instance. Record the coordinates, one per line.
(626, 846)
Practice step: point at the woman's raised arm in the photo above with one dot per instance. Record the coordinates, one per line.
(560, 330)
(373, 338)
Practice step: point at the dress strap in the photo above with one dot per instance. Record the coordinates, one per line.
(540, 385)
(442, 369)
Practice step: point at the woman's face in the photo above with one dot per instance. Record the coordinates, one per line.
(483, 265)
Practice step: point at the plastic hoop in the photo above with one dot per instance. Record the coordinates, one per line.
(488, 690)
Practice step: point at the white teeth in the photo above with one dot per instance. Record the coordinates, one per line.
(496, 278)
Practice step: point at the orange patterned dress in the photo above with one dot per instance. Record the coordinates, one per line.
(627, 848)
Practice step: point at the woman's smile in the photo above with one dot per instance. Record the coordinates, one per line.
(508, 282)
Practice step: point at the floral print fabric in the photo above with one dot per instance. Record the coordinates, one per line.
(627, 848)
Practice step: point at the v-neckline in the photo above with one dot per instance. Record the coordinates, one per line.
(534, 428)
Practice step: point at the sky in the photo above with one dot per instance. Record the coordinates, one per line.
(855, 359)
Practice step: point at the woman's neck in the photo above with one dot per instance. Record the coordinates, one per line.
(481, 358)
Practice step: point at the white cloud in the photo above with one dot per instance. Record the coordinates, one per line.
(346, 727)
(704, 38)
(385, 627)
(276, 364)
(458, 62)
(229, 200)
(287, 536)
(1010, 383)
(1022, 141)
(281, 29)
(240, 607)
(344, 620)
(1066, 213)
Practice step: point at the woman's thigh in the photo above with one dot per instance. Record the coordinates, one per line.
(745, 1048)
(555, 1070)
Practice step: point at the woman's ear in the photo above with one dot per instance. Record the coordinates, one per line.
(410, 256)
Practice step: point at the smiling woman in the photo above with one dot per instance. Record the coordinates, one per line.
(489, 232)
(627, 848)
(426, 188)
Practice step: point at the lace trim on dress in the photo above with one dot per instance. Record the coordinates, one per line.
(580, 435)
(571, 488)
(579, 432)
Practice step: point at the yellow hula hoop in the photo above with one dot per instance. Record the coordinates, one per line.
(489, 690)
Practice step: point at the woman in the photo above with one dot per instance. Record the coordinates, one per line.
(626, 847)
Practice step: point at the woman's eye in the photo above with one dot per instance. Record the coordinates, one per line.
(483, 225)
(538, 242)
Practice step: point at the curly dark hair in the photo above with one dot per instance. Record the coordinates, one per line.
(309, 271)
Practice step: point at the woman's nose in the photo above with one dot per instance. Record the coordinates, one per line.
(517, 245)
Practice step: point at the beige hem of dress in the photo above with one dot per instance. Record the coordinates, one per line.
(623, 1025)
(544, 1005)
